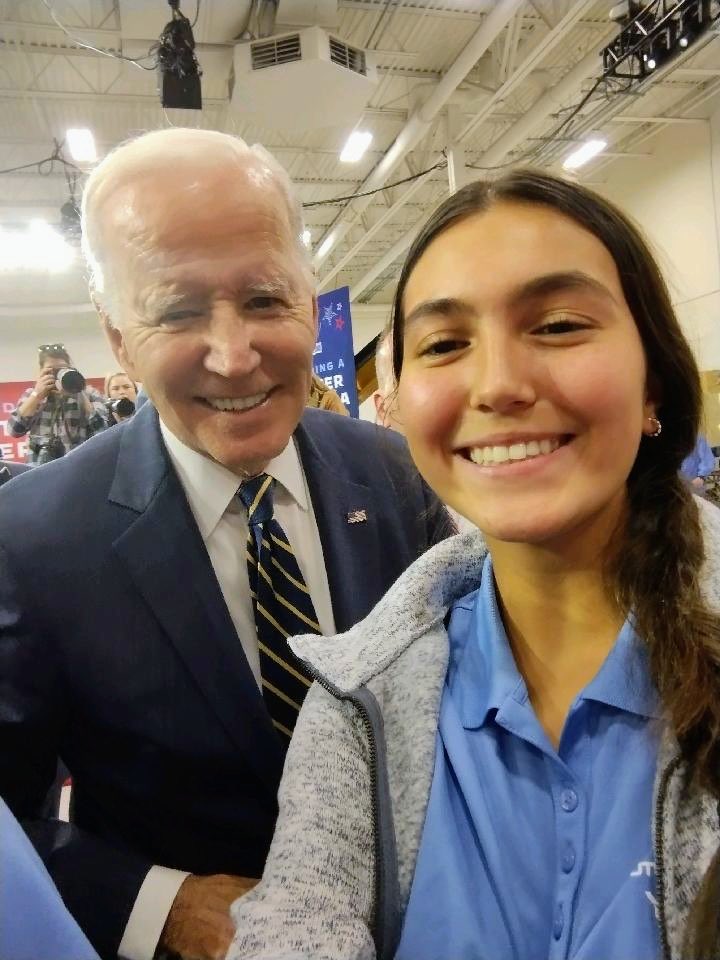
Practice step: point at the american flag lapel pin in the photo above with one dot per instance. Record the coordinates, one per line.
(357, 516)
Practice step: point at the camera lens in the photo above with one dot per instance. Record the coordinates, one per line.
(70, 380)
(123, 407)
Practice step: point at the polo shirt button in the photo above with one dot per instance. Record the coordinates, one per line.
(568, 859)
(568, 800)
(558, 922)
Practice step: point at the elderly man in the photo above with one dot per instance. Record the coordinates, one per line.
(148, 582)
(386, 413)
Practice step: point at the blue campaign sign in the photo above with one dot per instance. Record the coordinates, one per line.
(334, 359)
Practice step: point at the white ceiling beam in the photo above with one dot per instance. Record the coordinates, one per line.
(9, 93)
(93, 35)
(658, 120)
(371, 6)
(378, 225)
(532, 118)
(420, 122)
(533, 60)
(538, 113)
(381, 265)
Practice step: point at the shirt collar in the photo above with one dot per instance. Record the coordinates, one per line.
(210, 487)
(486, 673)
(624, 680)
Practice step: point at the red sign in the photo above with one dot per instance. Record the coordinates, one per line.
(16, 448)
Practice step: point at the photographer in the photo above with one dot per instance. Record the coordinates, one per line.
(60, 412)
(121, 394)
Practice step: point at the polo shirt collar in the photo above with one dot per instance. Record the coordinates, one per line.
(211, 488)
(624, 681)
(487, 673)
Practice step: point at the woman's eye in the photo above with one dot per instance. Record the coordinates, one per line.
(439, 347)
(565, 325)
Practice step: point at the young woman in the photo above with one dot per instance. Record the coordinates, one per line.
(119, 387)
(516, 755)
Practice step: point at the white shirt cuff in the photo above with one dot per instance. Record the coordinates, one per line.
(149, 913)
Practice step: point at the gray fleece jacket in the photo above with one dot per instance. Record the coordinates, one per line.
(357, 779)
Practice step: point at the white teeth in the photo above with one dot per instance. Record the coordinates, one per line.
(232, 403)
(487, 456)
(500, 454)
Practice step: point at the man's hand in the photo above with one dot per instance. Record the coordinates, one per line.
(45, 384)
(199, 926)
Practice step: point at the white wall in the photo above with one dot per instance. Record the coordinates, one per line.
(674, 195)
(79, 331)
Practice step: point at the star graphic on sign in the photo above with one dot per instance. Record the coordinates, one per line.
(339, 323)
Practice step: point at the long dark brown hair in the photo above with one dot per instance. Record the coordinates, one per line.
(654, 576)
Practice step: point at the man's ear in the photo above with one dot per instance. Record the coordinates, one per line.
(381, 413)
(115, 339)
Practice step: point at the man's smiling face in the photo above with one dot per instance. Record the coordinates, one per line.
(218, 315)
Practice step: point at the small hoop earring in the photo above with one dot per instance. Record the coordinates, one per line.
(658, 428)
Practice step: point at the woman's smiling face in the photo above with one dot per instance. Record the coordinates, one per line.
(523, 387)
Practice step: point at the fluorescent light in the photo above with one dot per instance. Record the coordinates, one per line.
(585, 152)
(325, 246)
(357, 144)
(39, 248)
(306, 237)
(82, 145)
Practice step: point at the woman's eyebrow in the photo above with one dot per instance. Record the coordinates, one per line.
(541, 286)
(442, 306)
(558, 282)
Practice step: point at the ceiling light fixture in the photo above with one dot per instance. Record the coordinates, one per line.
(82, 145)
(325, 246)
(356, 145)
(38, 248)
(584, 153)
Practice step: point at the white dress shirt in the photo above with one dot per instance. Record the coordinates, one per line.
(222, 521)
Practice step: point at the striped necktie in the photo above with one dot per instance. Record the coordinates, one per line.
(282, 605)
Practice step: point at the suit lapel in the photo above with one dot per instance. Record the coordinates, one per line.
(349, 529)
(167, 560)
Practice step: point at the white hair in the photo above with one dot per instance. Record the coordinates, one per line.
(383, 363)
(161, 150)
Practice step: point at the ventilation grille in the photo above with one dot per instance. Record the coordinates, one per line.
(270, 53)
(347, 57)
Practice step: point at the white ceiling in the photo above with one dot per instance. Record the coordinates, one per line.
(493, 77)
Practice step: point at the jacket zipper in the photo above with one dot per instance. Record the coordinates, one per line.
(660, 855)
(384, 936)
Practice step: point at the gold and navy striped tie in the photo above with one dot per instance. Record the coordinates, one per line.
(282, 605)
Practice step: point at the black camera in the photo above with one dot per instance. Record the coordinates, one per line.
(69, 380)
(122, 407)
(53, 449)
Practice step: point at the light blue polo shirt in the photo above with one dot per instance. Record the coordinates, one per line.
(527, 852)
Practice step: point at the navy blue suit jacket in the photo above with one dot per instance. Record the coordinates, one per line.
(118, 654)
